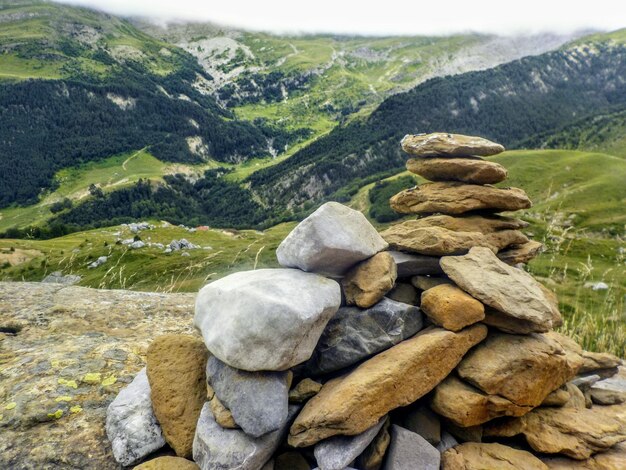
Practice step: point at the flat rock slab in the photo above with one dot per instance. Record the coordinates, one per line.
(410, 450)
(330, 241)
(336, 453)
(442, 144)
(408, 265)
(175, 368)
(611, 459)
(258, 401)
(355, 334)
(465, 170)
(458, 198)
(368, 282)
(69, 334)
(496, 284)
(413, 237)
(268, 319)
(396, 377)
(217, 448)
(474, 455)
(131, 425)
(522, 253)
(485, 223)
(522, 369)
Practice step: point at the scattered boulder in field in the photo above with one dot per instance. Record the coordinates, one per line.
(368, 282)
(458, 198)
(475, 456)
(496, 284)
(268, 319)
(410, 450)
(352, 403)
(330, 241)
(443, 144)
(450, 307)
(355, 334)
(465, 170)
(258, 401)
(131, 426)
(175, 367)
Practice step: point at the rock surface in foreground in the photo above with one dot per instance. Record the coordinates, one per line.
(396, 377)
(440, 144)
(330, 241)
(268, 319)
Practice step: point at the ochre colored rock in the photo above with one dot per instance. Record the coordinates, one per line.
(411, 236)
(396, 377)
(481, 456)
(450, 307)
(589, 361)
(306, 388)
(458, 198)
(369, 281)
(467, 406)
(487, 223)
(612, 459)
(466, 170)
(374, 454)
(577, 433)
(522, 369)
(168, 463)
(443, 144)
(222, 415)
(516, 254)
(176, 372)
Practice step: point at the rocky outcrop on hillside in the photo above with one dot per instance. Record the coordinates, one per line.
(350, 356)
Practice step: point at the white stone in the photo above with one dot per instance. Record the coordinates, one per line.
(330, 241)
(269, 319)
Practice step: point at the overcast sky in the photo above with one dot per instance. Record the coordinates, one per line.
(382, 16)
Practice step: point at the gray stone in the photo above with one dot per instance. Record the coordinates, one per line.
(216, 448)
(57, 277)
(423, 421)
(131, 425)
(509, 290)
(258, 401)
(408, 265)
(610, 391)
(585, 382)
(447, 442)
(354, 334)
(336, 453)
(136, 245)
(268, 319)
(405, 293)
(410, 451)
(330, 241)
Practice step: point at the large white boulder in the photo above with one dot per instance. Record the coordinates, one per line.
(269, 319)
(330, 241)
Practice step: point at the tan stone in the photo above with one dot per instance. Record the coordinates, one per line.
(496, 284)
(411, 236)
(394, 378)
(576, 397)
(481, 456)
(374, 454)
(523, 369)
(507, 323)
(466, 170)
(612, 459)
(222, 415)
(467, 406)
(306, 388)
(442, 144)
(558, 397)
(458, 198)
(553, 302)
(523, 253)
(176, 372)
(575, 432)
(428, 282)
(487, 223)
(368, 282)
(168, 463)
(450, 307)
(589, 361)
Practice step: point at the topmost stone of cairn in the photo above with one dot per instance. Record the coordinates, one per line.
(441, 144)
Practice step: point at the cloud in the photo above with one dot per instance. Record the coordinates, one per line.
(381, 17)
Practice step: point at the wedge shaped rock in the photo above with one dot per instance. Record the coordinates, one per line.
(496, 284)
(474, 455)
(217, 448)
(465, 170)
(369, 281)
(336, 453)
(258, 401)
(355, 334)
(443, 144)
(516, 254)
(268, 319)
(410, 450)
(330, 241)
(458, 198)
(131, 426)
(397, 377)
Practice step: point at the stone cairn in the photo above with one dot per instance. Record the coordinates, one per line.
(336, 361)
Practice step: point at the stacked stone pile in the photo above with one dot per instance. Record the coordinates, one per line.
(438, 353)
